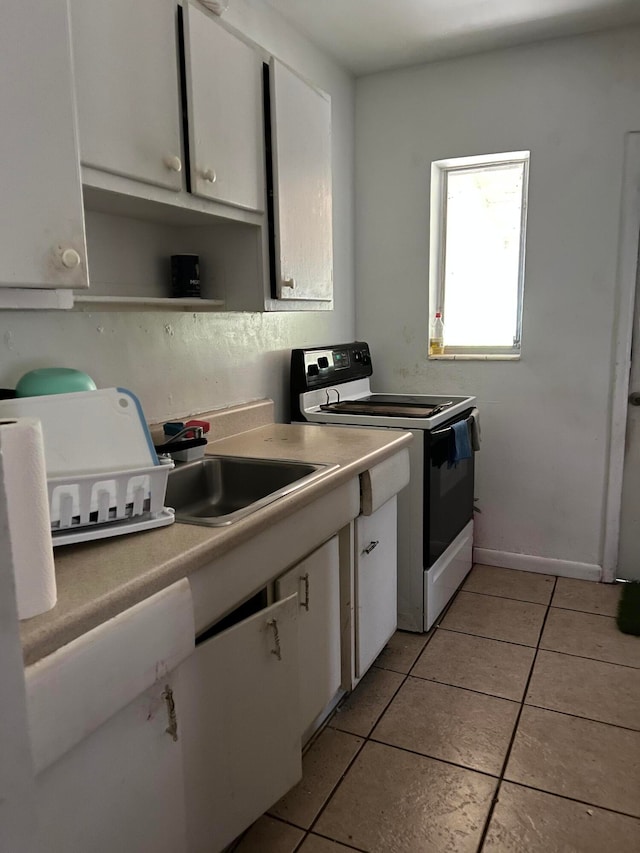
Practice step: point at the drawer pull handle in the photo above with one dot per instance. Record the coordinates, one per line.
(273, 624)
(305, 580)
(371, 546)
(172, 728)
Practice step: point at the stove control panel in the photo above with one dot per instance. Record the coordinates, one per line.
(326, 361)
(321, 367)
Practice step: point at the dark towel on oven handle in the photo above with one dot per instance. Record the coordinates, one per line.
(460, 446)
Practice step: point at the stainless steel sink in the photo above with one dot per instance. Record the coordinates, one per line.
(218, 490)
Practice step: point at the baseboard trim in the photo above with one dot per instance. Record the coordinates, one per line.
(543, 565)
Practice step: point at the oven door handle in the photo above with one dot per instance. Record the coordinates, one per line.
(447, 428)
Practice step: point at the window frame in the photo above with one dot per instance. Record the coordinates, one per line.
(440, 170)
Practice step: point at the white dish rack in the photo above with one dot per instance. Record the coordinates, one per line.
(104, 478)
(108, 503)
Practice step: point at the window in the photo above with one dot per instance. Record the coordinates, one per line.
(478, 223)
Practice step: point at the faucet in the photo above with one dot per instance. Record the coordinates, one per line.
(186, 441)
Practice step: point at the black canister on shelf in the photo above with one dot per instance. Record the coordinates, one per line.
(185, 275)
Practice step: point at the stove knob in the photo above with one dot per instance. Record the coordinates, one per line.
(323, 361)
(366, 358)
(313, 370)
(357, 356)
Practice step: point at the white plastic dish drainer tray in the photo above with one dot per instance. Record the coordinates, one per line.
(104, 477)
(97, 505)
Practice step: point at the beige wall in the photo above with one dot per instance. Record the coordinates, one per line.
(542, 468)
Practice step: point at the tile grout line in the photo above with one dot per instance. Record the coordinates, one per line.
(508, 597)
(584, 657)
(496, 794)
(519, 702)
(327, 838)
(543, 648)
(574, 800)
(406, 675)
(446, 761)
(461, 687)
(579, 717)
(495, 639)
(530, 601)
(367, 738)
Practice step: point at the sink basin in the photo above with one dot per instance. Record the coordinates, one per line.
(218, 490)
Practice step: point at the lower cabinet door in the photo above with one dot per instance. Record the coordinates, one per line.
(317, 582)
(376, 582)
(241, 732)
(121, 788)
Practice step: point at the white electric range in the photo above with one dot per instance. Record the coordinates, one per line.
(331, 385)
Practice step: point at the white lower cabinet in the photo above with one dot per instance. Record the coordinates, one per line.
(105, 720)
(317, 582)
(376, 573)
(240, 726)
(122, 787)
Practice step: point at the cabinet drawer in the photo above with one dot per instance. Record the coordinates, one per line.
(383, 481)
(76, 689)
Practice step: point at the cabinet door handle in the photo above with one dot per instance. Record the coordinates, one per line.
(371, 546)
(209, 175)
(305, 581)
(288, 282)
(172, 728)
(273, 624)
(174, 164)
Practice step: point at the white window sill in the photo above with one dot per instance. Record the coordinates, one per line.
(475, 357)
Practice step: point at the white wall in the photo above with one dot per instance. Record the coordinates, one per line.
(181, 363)
(542, 468)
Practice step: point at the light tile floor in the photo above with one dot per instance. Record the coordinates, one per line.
(514, 726)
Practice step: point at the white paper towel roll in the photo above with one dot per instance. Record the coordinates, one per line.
(26, 545)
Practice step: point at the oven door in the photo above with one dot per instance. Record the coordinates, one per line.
(448, 491)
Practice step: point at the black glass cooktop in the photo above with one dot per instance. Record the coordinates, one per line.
(390, 405)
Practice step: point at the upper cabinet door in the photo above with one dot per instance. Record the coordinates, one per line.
(224, 98)
(126, 70)
(301, 152)
(42, 243)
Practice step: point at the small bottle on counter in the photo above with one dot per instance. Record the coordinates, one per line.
(436, 339)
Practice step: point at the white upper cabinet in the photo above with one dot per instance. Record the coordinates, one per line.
(224, 97)
(42, 242)
(127, 86)
(301, 155)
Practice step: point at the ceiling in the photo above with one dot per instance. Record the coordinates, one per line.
(376, 35)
